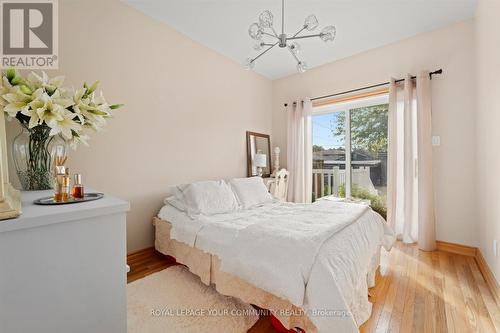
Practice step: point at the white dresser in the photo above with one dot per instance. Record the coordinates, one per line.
(63, 268)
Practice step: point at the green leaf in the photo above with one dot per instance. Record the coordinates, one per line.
(86, 87)
(50, 89)
(16, 80)
(116, 106)
(93, 87)
(10, 73)
(97, 112)
(368, 128)
(25, 89)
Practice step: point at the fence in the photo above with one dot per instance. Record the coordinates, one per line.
(329, 181)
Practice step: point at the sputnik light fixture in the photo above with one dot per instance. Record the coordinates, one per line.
(264, 29)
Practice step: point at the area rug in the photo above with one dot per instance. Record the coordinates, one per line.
(175, 300)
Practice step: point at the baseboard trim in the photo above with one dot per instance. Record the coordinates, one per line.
(474, 252)
(464, 250)
(141, 254)
(488, 276)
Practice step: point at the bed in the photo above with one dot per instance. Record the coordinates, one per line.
(309, 264)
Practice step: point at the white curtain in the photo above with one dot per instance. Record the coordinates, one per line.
(392, 155)
(426, 209)
(410, 193)
(299, 151)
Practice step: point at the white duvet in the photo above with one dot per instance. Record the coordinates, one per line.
(317, 256)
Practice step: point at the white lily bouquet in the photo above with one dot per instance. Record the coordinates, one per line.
(51, 117)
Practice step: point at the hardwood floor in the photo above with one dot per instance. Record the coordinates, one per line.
(431, 292)
(145, 262)
(416, 291)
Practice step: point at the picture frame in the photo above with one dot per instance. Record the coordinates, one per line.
(10, 198)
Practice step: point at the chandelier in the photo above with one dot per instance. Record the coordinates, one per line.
(264, 29)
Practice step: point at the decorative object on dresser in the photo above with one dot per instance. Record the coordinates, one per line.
(64, 266)
(49, 201)
(78, 192)
(61, 181)
(50, 117)
(33, 152)
(10, 198)
(258, 144)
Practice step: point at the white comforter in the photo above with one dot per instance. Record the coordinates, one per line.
(317, 256)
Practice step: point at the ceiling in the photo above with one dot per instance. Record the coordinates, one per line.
(361, 25)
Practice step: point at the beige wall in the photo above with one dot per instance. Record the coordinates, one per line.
(187, 107)
(451, 49)
(488, 120)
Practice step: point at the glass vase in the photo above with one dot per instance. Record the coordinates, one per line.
(33, 151)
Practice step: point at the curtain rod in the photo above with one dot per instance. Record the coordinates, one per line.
(436, 72)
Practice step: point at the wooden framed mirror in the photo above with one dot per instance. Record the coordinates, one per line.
(258, 154)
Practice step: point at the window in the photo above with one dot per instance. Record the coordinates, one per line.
(359, 128)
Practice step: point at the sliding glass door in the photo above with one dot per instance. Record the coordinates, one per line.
(329, 155)
(359, 128)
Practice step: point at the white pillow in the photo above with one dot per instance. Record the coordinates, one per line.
(177, 198)
(175, 202)
(251, 191)
(209, 197)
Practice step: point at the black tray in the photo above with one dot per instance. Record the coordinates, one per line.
(86, 197)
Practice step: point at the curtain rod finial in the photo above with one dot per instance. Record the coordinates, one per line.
(439, 71)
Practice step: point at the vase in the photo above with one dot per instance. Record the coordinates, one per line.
(33, 151)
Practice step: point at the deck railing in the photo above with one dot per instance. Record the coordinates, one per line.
(329, 181)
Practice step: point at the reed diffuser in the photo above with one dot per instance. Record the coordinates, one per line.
(61, 180)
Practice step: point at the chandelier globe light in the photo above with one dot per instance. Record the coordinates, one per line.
(264, 29)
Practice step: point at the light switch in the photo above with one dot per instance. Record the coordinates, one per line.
(436, 140)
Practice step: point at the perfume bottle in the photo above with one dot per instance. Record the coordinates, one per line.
(62, 185)
(77, 191)
(60, 179)
(58, 184)
(66, 186)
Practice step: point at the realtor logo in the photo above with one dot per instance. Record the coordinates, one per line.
(29, 34)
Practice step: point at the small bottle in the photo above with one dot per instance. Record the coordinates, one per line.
(65, 186)
(59, 183)
(77, 190)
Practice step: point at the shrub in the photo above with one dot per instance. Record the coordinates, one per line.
(376, 201)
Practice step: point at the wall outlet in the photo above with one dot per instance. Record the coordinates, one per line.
(495, 247)
(436, 140)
